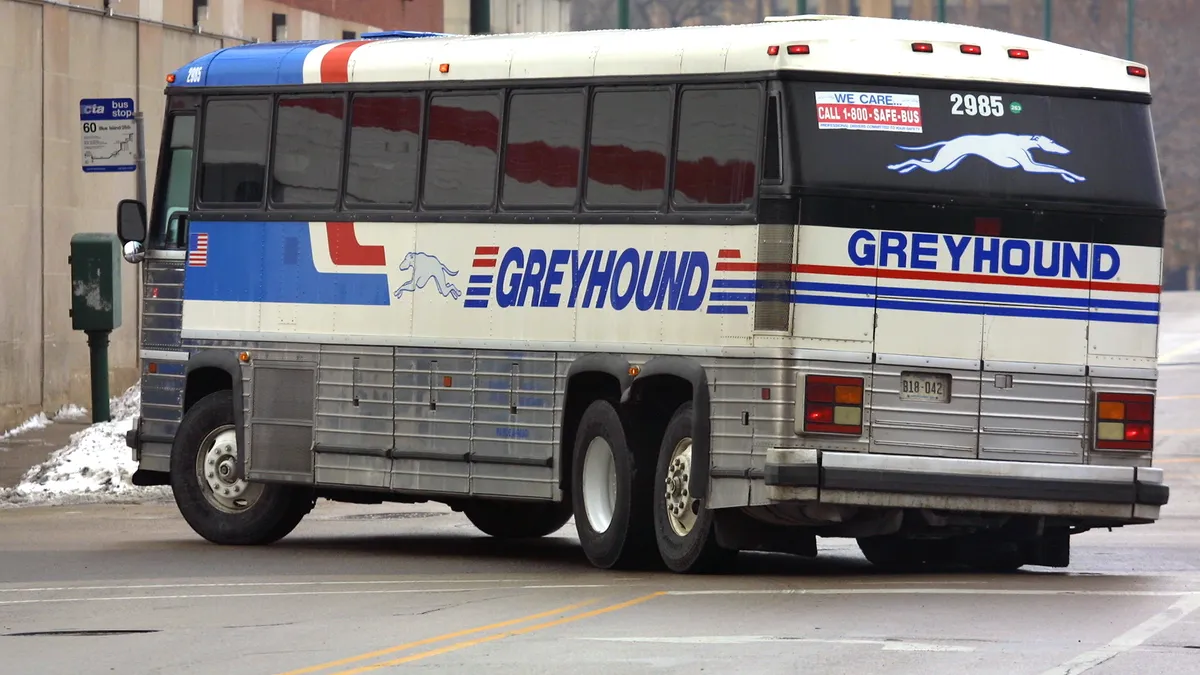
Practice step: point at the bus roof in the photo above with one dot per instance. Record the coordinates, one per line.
(836, 44)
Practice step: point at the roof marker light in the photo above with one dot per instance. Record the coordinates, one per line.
(444, 68)
(773, 50)
(1136, 71)
(922, 47)
(170, 78)
(1018, 53)
(797, 49)
(970, 49)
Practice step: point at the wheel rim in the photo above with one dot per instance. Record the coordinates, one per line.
(599, 484)
(216, 466)
(682, 509)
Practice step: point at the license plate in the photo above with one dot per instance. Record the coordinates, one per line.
(929, 387)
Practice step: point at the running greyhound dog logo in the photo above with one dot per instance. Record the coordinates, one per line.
(426, 268)
(1007, 151)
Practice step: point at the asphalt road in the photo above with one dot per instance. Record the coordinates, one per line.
(393, 589)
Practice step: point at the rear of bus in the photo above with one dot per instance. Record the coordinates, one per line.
(996, 248)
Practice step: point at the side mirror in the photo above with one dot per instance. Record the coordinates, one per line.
(131, 221)
(134, 251)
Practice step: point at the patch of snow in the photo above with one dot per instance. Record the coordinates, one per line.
(71, 413)
(38, 421)
(95, 466)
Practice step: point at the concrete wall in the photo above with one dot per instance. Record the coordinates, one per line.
(50, 57)
(512, 16)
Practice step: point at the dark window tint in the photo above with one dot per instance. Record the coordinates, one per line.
(461, 160)
(978, 144)
(175, 186)
(306, 167)
(544, 143)
(233, 160)
(385, 143)
(773, 153)
(627, 151)
(718, 142)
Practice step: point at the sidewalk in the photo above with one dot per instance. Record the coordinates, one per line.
(22, 452)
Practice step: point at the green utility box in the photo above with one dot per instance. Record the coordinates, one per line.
(95, 281)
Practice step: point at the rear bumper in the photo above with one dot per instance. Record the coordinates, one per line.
(1125, 494)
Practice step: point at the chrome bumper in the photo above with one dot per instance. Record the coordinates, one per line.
(1130, 494)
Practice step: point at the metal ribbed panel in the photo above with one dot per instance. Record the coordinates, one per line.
(1040, 418)
(773, 306)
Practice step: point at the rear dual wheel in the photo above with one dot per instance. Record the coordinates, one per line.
(633, 505)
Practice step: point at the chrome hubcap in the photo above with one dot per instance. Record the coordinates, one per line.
(682, 509)
(216, 469)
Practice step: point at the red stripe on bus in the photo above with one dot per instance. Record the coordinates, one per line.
(484, 262)
(335, 65)
(729, 253)
(487, 250)
(953, 277)
(344, 248)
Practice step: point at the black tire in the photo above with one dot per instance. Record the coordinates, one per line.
(628, 540)
(695, 552)
(277, 510)
(898, 554)
(517, 520)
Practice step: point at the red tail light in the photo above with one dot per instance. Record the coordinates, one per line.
(1125, 422)
(833, 405)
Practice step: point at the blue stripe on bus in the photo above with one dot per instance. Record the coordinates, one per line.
(927, 293)
(272, 262)
(985, 310)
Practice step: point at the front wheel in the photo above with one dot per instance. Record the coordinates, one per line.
(517, 520)
(684, 528)
(220, 508)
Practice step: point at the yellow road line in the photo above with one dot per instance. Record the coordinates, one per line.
(437, 638)
(499, 636)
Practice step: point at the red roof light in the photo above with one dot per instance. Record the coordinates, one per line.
(1136, 71)
(797, 49)
(922, 47)
(1018, 53)
(773, 50)
(970, 49)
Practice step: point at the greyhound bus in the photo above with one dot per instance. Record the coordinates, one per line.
(705, 290)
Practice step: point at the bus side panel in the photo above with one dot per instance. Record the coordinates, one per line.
(1125, 308)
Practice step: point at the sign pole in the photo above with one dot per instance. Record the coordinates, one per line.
(139, 128)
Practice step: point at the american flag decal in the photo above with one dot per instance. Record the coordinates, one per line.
(198, 255)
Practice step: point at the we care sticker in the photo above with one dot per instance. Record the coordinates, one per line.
(864, 111)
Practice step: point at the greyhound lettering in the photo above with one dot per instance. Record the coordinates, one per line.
(426, 268)
(1007, 151)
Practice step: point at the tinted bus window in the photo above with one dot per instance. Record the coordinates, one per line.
(307, 163)
(462, 157)
(233, 154)
(385, 144)
(976, 143)
(543, 147)
(715, 163)
(627, 150)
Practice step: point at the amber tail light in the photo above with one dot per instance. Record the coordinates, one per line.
(833, 405)
(1125, 422)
